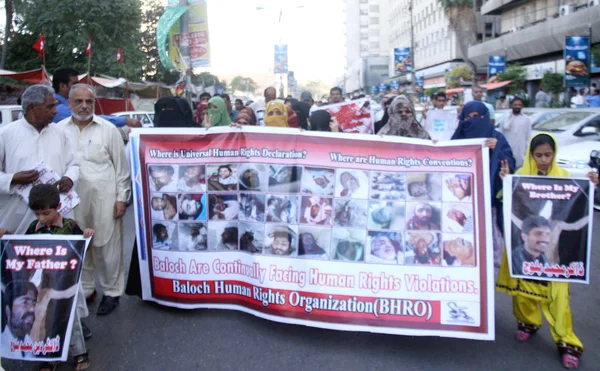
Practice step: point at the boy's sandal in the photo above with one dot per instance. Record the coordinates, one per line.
(522, 336)
(570, 361)
(82, 362)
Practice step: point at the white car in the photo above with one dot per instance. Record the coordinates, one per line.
(572, 126)
(575, 158)
(145, 117)
(10, 113)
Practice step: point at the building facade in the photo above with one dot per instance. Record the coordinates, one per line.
(366, 44)
(532, 32)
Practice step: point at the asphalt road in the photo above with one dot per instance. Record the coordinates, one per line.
(145, 336)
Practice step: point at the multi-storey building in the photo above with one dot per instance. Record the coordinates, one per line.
(532, 32)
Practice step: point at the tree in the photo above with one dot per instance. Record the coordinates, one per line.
(318, 89)
(518, 75)
(205, 79)
(461, 19)
(458, 75)
(553, 82)
(67, 28)
(596, 54)
(243, 84)
(152, 69)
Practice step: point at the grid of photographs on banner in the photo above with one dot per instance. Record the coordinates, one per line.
(314, 213)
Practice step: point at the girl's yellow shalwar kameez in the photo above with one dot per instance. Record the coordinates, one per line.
(530, 295)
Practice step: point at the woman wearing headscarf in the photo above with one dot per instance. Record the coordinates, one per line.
(276, 114)
(474, 122)
(303, 111)
(245, 117)
(530, 295)
(200, 113)
(321, 120)
(402, 121)
(386, 102)
(217, 113)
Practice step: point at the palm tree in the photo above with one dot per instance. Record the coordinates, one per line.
(461, 18)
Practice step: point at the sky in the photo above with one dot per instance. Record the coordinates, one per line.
(242, 38)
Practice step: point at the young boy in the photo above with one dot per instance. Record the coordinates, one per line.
(44, 201)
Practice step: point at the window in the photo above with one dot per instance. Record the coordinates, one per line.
(374, 20)
(16, 115)
(374, 8)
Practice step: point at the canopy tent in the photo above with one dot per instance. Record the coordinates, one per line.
(496, 85)
(112, 92)
(454, 91)
(39, 76)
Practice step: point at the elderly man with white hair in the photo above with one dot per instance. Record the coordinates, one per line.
(24, 144)
(104, 189)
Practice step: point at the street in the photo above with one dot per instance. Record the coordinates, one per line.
(146, 336)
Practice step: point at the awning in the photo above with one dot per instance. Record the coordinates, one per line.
(496, 85)
(454, 91)
(39, 76)
(103, 81)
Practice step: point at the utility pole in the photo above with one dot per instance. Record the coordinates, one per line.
(413, 81)
(184, 49)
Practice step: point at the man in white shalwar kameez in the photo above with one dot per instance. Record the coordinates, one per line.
(24, 144)
(517, 130)
(104, 189)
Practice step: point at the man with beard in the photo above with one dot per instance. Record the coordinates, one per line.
(192, 179)
(425, 251)
(162, 179)
(282, 242)
(335, 95)
(229, 239)
(535, 233)
(20, 299)
(307, 247)
(161, 240)
(423, 219)
(517, 130)
(104, 189)
(24, 144)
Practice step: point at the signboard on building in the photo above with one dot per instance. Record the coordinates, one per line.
(577, 61)
(496, 65)
(374, 89)
(382, 87)
(402, 61)
(281, 59)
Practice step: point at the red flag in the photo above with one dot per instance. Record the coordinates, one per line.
(88, 50)
(39, 45)
(119, 56)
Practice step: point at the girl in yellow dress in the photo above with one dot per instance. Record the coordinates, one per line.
(530, 295)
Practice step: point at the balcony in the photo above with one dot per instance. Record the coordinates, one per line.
(496, 7)
(538, 39)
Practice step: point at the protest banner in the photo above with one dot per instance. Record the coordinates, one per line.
(354, 116)
(550, 221)
(441, 123)
(40, 280)
(348, 232)
(68, 200)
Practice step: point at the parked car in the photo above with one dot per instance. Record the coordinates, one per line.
(145, 117)
(572, 126)
(537, 115)
(575, 158)
(10, 113)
